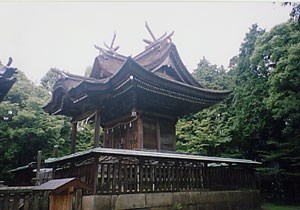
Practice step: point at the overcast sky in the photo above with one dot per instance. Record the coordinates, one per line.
(42, 35)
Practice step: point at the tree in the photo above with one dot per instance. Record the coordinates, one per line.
(25, 128)
(206, 132)
(277, 54)
(295, 12)
(249, 115)
(50, 78)
(210, 76)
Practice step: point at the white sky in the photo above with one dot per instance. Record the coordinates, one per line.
(41, 35)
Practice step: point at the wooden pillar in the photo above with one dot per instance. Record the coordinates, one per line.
(73, 137)
(39, 161)
(55, 151)
(95, 173)
(38, 167)
(97, 129)
(140, 133)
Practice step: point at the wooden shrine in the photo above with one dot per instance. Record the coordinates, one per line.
(136, 100)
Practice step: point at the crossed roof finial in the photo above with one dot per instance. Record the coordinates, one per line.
(153, 37)
(110, 48)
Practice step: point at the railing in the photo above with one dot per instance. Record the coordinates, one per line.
(28, 198)
(118, 175)
(81, 172)
(130, 178)
(15, 198)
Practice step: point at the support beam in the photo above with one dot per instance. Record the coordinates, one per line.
(97, 129)
(73, 137)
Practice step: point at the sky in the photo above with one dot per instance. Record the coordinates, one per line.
(43, 35)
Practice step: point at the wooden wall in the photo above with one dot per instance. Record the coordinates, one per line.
(143, 132)
(122, 135)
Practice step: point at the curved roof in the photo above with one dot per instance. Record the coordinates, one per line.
(165, 54)
(154, 58)
(152, 91)
(155, 80)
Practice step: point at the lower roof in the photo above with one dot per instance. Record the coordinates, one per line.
(147, 154)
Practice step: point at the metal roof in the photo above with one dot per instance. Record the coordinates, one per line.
(150, 154)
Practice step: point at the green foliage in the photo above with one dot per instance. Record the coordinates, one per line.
(249, 117)
(281, 50)
(203, 133)
(50, 78)
(25, 128)
(207, 131)
(85, 136)
(260, 119)
(210, 76)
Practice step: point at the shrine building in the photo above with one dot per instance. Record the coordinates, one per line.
(136, 100)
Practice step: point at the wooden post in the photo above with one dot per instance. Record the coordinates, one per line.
(39, 161)
(97, 129)
(95, 175)
(38, 167)
(73, 137)
(55, 151)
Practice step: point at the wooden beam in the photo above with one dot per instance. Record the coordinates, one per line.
(97, 129)
(74, 137)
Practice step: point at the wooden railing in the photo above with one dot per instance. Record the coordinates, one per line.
(82, 172)
(135, 175)
(15, 198)
(130, 178)
(28, 198)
